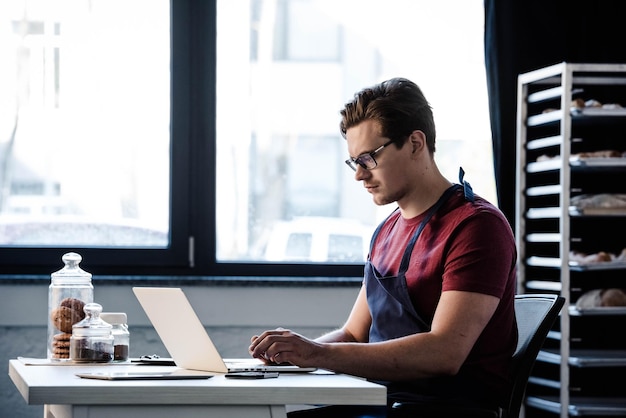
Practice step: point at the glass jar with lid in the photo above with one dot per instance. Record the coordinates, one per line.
(92, 338)
(121, 335)
(70, 289)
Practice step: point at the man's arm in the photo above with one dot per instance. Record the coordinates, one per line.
(356, 328)
(459, 320)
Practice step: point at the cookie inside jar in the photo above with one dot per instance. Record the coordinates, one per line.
(69, 312)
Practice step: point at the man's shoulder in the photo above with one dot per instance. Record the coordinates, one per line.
(477, 206)
(478, 215)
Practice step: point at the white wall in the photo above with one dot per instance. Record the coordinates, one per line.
(215, 305)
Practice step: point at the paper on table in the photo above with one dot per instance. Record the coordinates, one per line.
(30, 361)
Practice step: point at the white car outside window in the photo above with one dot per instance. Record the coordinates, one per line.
(320, 239)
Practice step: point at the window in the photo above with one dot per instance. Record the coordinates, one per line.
(151, 146)
(85, 141)
(280, 155)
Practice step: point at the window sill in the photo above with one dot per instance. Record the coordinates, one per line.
(217, 281)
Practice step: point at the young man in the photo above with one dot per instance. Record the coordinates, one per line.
(434, 319)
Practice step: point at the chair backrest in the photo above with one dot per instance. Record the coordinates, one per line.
(535, 313)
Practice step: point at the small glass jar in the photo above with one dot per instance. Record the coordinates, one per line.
(70, 289)
(121, 335)
(92, 338)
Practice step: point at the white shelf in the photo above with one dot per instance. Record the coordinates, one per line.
(598, 162)
(541, 166)
(604, 310)
(544, 118)
(547, 225)
(581, 406)
(586, 358)
(543, 237)
(544, 190)
(543, 213)
(550, 141)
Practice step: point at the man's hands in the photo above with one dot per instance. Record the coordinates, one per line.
(285, 346)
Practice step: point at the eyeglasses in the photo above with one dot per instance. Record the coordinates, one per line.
(366, 160)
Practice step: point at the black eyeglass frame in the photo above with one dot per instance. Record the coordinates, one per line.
(368, 157)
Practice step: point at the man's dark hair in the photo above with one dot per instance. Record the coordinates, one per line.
(398, 105)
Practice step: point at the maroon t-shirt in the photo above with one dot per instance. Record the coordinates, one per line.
(465, 246)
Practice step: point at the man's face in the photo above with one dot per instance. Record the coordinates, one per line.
(387, 181)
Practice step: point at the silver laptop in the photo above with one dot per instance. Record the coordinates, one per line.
(186, 339)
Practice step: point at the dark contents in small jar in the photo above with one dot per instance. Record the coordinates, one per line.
(120, 352)
(100, 353)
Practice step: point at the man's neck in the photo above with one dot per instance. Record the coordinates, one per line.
(421, 200)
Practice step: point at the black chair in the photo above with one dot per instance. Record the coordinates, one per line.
(536, 313)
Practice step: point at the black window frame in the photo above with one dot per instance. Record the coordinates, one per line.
(192, 199)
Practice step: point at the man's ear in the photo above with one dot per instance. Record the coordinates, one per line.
(417, 139)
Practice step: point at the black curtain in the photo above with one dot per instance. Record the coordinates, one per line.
(523, 35)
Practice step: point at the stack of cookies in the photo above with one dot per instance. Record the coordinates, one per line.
(69, 312)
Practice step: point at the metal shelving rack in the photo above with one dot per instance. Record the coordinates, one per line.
(573, 372)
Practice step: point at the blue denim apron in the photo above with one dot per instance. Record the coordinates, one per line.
(394, 316)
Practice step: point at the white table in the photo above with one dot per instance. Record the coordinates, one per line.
(68, 396)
